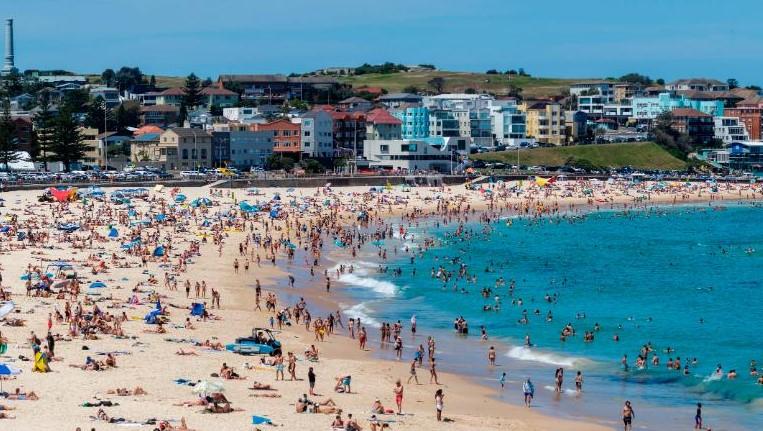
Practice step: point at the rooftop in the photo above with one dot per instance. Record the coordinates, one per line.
(381, 116)
(689, 112)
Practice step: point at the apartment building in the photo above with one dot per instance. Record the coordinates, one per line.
(545, 122)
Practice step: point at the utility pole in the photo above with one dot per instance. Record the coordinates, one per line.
(105, 136)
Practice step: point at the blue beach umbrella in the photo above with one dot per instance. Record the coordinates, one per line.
(7, 370)
(97, 285)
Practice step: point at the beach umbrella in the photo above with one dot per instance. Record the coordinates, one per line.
(113, 232)
(159, 251)
(7, 370)
(97, 285)
(160, 217)
(6, 308)
(180, 198)
(207, 387)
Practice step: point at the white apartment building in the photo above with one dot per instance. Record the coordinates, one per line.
(730, 129)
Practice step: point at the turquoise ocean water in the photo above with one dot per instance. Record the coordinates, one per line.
(687, 280)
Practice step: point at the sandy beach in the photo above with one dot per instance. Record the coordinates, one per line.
(201, 245)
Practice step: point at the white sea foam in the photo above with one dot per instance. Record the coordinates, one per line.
(363, 312)
(524, 353)
(360, 267)
(564, 391)
(379, 286)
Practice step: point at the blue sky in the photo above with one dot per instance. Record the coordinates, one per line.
(583, 38)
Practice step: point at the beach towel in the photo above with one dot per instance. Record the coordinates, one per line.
(40, 363)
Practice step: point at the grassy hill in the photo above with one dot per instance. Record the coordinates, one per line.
(458, 82)
(641, 155)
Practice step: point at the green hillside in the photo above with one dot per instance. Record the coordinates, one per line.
(459, 82)
(641, 155)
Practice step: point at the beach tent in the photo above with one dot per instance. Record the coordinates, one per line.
(274, 213)
(247, 207)
(68, 227)
(97, 285)
(159, 251)
(259, 420)
(63, 195)
(113, 232)
(160, 217)
(197, 309)
(180, 198)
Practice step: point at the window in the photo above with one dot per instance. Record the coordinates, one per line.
(193, 154)
(408, 148)
(185, 154)
(384, 149)
(204, 153)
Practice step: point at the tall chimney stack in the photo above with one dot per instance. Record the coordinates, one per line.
(8, 64)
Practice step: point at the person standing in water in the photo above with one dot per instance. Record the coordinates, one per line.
(579, 381)
(529, 391)
(628, 415)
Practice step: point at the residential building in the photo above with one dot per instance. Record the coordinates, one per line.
(698, 125)
(286, 135)
(396, 100)
(647, 108)
(749, 112)
(221, 148)
(545, 122)
(251, 149)
(24, 126)
(447, 123)
(414, 121)
(55, 80)
(144, 148)
(355, 103)
(458, 101)
(94, 149)
(625, 91)
(381, 125)
(481, 127)
(349, 130)
(277, 88)
(408, 155)
(508, 123)
(108, 94)
(747, 156)
(199, 118)
(185, 148)
(699, 84)
(730, 129)
(171, 96)
(317, 134)
(160, 115)
(245, 115)
(218, 96)
(604, 89)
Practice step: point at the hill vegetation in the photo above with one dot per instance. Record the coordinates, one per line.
(641, 155)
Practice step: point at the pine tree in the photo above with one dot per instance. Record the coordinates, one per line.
(9, 143)
(43, 130)
(182, 115)
(68, 143)
(192, 97)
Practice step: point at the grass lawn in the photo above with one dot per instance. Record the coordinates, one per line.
(458, 82)
(639, 155)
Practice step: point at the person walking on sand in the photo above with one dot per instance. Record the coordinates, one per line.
(311, 380)
(628, 415)
(413, 372)
(698, 417)
(529, 390)
(398, 391)
(433, 373)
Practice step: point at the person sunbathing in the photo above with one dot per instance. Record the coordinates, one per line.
(21, 396)
(196, 402)
(257, 386)
(312, 353)
(379, 409)
(124, 392)
(4, 415)
(214, 346)
(159, 329)
(182, 352)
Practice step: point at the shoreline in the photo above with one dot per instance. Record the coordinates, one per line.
(151, 362)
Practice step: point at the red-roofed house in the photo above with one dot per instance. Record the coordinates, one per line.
(221, 97)
(698, 125)
(286, 135)
(380, 124)
(171, 97)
